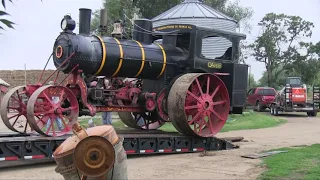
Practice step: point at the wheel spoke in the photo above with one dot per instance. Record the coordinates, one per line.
(14, 98)
(195, 127)
(219, 103)
(15, 121)
(199, 86)
(216, 114)
(64, 123)
(51, 125)
(195, 117)
(215, 91)
(43, 113)
(208, 85)
(61, 96)
(15, 116)
(210, 123)
(20, 99)
(68, 109)
(48, 99)
(191, 107)
(202, 122)
(194, 96)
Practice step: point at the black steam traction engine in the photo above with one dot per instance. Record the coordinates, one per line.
(173, 81)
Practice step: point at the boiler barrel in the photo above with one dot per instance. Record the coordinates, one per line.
(107, 56)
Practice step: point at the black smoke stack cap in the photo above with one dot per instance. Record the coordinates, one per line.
(84, 21)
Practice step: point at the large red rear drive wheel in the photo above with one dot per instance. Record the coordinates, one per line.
(52, 110)
(198, 104)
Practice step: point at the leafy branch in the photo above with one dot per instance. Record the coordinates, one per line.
(6, 22)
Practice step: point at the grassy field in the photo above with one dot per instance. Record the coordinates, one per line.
(297, 163)
(248, 120)
(251, 120)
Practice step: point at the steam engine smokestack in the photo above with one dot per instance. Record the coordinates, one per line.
(103, 21)
(84, 21)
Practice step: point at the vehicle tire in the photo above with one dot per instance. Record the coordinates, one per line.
(258, 107)
(312, 113)
(237, 110)
(276, 111)
(271, 110)
(315, 113)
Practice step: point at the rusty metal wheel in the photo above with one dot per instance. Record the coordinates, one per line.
(52, 110)
(140, 121)
(14, 110)
(198, 104)
(94, 156)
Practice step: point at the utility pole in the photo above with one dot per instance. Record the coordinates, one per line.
(25, 74)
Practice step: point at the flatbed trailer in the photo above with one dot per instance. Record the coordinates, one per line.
(17, 149)
(286, 103)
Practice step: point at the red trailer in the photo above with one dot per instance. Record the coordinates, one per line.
(293, 98)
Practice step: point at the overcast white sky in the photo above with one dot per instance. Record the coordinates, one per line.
(38, 24)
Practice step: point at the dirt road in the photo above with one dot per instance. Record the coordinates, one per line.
(300, 130)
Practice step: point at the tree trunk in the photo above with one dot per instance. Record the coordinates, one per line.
(269, 76)
(269, 71)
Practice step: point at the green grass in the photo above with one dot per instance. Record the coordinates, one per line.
(297, 163)
(251, 120)
(248, 120)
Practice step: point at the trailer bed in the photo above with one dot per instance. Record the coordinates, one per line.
(18, 149)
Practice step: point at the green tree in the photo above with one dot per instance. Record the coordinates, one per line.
(251, 82)
(277, 45)
(307, 65)
(115, 11)
(3, 20)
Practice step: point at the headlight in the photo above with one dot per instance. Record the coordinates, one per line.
(68, 24)
(64, 24)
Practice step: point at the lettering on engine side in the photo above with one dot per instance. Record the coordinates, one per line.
(214, 65)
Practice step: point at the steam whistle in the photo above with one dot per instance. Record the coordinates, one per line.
(117, 29)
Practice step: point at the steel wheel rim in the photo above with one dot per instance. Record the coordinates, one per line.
(199, 104)
(21, 109)
(103, 152)
(38, 120)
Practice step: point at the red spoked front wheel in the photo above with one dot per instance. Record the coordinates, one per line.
(52, 110)
(14, 110)
(198, 104)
